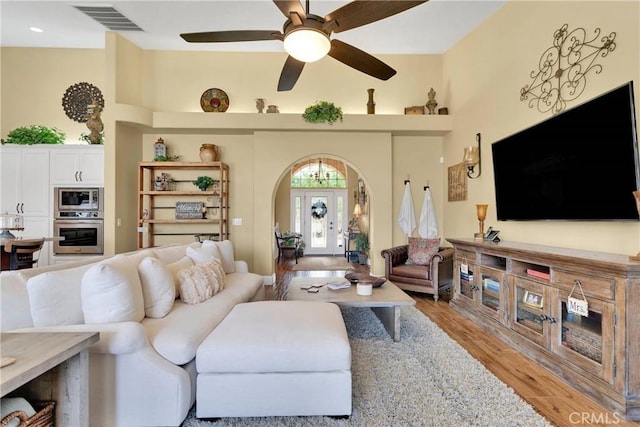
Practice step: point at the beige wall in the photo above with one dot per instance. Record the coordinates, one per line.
(35, 80)
(483, 76)
(479, 80)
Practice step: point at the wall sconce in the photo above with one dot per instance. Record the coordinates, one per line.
(472, 158)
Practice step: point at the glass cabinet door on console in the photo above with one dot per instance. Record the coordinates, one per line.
(467, 287)
(491, 292)
(530, 314)
(587, 341)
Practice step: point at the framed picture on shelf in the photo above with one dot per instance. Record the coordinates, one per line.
(533, 299)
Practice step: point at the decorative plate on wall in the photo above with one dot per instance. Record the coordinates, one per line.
(214, 100)
(78, 97)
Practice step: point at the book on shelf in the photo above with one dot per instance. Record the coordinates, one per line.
(466, 276)
(494, 285)
(538, 274)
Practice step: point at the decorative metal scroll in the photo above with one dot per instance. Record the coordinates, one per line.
(563, 68)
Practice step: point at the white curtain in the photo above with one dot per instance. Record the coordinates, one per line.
(428, 223)
(407, 217)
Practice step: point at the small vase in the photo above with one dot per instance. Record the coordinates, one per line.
(371, 106)
(209, 153)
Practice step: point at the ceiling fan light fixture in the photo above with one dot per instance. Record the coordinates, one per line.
(307, 44)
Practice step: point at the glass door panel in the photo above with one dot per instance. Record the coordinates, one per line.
(529, 309)
(318, 220)
(582, 334)
(491, 291)
(467, 285)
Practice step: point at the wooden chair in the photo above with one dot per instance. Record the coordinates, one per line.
(22, 253)
(288, 243)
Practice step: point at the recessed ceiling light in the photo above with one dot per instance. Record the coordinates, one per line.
(36, 29)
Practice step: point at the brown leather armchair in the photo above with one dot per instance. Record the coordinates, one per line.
(419, 278)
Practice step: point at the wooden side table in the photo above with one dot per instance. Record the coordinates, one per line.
(50, 366)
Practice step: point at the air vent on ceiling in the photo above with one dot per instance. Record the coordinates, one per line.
(110, 17)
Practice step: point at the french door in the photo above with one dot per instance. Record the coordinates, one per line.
(321, 217)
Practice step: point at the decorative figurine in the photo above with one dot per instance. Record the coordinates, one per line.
(260, 103)
(431, 103)
(94, 122)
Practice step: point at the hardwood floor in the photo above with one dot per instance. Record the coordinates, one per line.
(557, 402)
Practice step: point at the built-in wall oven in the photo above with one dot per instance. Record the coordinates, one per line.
(78, 221)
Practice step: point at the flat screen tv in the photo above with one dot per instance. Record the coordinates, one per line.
(581, 164)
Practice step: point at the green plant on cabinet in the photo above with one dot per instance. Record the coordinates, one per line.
(35, 134)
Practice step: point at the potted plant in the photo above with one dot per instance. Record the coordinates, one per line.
(322, 112)
(203, 182)
(362, 246)
(35, 134)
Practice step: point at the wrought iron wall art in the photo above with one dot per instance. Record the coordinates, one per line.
(563, 68)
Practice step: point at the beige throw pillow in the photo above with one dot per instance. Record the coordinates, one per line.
(198, 283)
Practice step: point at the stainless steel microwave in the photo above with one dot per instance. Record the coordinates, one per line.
(76, 202)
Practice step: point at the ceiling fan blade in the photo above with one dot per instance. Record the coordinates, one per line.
(362, 12)
(289, 6)
(232, 36)
(290, 73)
(360, 60)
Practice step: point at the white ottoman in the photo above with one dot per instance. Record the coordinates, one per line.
(273, 358)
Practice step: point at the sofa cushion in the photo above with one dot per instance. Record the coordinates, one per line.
(176, 267)
(203, 254)
(111, 292)
(198, 283)
(172, 253)
(421, 250)
(414, 271)
(158, 287)
(226, 253)
(176, 336)
(137, 256)
(55, 297)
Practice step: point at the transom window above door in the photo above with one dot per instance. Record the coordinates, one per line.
(319, 173)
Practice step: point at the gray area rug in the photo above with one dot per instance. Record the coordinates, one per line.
(426, 379)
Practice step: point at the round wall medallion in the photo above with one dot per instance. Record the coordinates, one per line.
(214, 100)
(78, 97)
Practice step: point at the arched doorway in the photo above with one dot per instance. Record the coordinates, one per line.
(314, 200)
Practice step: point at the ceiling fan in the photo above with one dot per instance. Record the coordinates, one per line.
(306, 37)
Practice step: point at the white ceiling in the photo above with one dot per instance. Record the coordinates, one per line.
(430, 28)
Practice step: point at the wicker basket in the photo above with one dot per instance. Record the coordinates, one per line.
(43, 417)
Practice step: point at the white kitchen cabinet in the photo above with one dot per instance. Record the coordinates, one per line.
(80, 165)
(24, 180)
(25, 190)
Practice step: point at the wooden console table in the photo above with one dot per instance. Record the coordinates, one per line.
(50, 366)
(520, 293)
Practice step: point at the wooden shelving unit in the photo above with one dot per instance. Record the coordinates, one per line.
(157, 208)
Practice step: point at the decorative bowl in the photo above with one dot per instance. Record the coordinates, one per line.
(355, 278)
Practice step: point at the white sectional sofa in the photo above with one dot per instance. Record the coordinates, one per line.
(142, 370)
